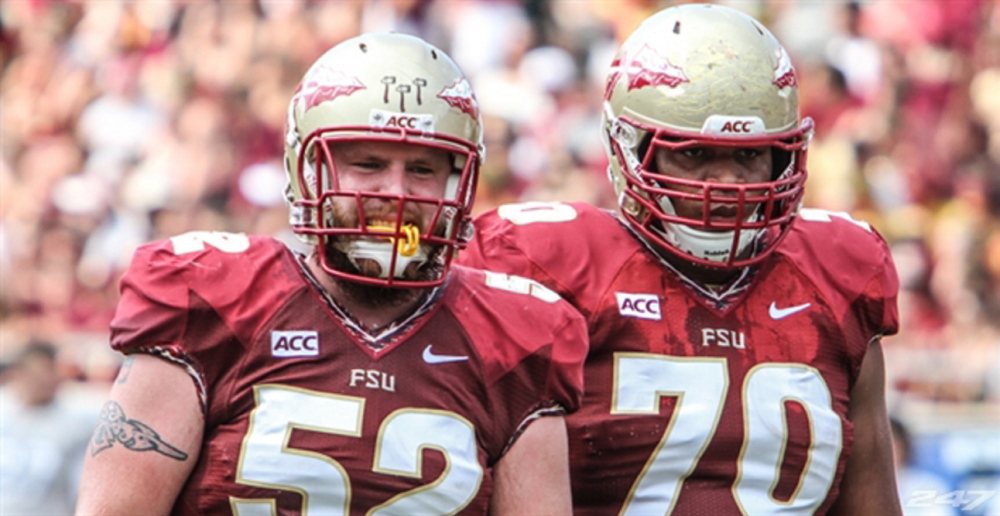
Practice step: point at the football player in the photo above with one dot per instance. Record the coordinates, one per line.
(368, 377)
(735, 364)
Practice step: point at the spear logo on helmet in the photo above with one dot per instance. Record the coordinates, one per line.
(325, 84)
(459, 95)
(784, 72)
(648, 68)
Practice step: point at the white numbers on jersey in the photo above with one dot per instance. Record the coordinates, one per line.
(700, 386)
(818, 215)
(524, 213)
(195, 241)
(267, 461)
(519, 285)
(409, 432)
(766, 390)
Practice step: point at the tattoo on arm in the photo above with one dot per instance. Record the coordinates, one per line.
(133, 435)
(125, 369)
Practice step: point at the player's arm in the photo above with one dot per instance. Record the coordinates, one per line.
(532, 478)
(869, 483)
(146, 442)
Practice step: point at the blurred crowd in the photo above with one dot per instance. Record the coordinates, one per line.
(126, 121)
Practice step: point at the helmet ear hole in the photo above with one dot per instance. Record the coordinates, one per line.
(644, 147)
(780, 159)
(451, 187)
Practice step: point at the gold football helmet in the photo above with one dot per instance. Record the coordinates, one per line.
(386, 88)
(703, 75)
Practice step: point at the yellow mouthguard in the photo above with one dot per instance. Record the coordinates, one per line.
(408, 245)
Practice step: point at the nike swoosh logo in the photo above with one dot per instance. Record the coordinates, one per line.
(780, 313)
(431, 358)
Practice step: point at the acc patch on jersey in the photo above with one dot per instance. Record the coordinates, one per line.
(643, 306)
(298, 343)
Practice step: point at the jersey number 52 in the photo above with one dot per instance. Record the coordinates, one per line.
(267, 461)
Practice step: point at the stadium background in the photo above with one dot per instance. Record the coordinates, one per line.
(127, 121)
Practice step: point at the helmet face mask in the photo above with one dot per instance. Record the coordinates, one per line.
(382, 89)
(392, 229)
(705, 77)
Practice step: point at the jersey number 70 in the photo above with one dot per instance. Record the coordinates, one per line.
(700, 386)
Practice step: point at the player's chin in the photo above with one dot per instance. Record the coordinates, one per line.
(373, 269)
(423, 271)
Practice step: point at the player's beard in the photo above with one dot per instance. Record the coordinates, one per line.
(374, 296)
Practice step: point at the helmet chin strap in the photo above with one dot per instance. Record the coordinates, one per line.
(381, 253)
(707, 245)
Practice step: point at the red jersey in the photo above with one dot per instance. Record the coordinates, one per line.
(696, 401)
(307, 413)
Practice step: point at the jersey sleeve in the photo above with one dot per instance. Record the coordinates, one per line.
(572, 248)
(532, 345)
(153, 313)
(193, 303)
(557, 365)
(872, 309)
(850, 263)
(497, 246)
(877, 303)
(154, 301)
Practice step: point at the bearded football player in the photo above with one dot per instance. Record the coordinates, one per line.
(369, 376)
(735, 364)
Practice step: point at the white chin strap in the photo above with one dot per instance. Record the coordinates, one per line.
(708, 245)
(381, 253)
